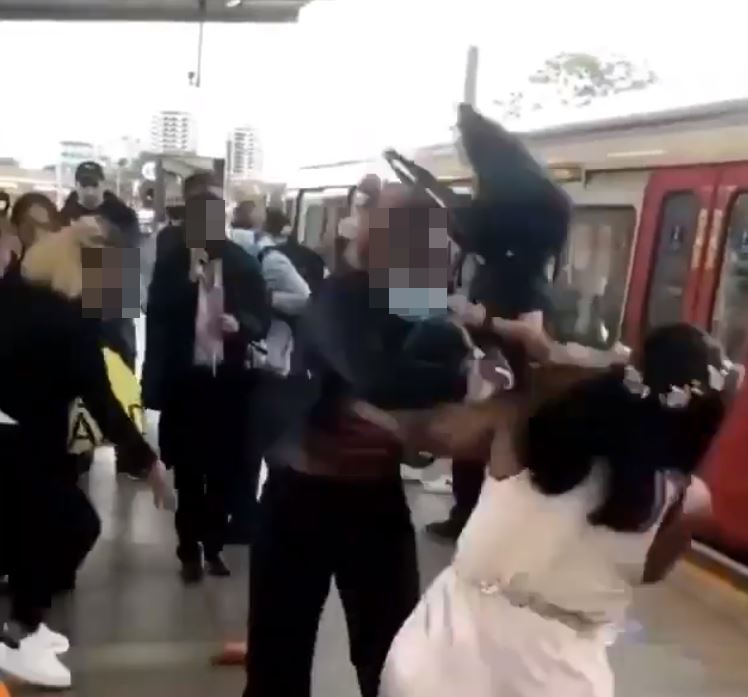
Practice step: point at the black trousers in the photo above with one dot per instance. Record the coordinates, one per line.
(313, 530)
(201, 435)
(467, 482)
(47, 527)
(265, 423)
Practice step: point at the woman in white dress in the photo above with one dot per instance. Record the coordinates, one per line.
(594, 496)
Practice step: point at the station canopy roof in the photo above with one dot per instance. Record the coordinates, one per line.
(153, 10)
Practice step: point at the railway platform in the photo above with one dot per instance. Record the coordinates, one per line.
(137, 631)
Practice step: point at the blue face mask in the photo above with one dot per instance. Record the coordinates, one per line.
(418, 303)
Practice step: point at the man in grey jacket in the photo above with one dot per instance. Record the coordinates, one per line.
(290, 292)
(276, 384)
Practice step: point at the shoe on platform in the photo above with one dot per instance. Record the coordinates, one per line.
(448, 529)
(216, 566)
(54, 640)
(411, 474)
(192, 572)
(440, 485)
(34, 662)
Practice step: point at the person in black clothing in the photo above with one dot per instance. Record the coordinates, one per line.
(92, 198)
(516, 225)
(50, 354)
(207, 301)
(197, 184)
(333, 505)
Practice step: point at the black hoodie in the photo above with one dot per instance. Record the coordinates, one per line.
(112, 209)
(118, 334)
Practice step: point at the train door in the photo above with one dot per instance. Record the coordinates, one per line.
(337, 203)
(723, 308)
(311, 218)
(722, 304)
(670, 246)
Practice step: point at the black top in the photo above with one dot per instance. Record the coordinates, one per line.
(50, 355)
(112, 209)
(354, 348)
(172, 307)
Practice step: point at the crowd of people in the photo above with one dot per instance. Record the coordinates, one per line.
(256, 352)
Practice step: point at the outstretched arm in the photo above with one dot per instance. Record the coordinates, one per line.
(460, 431)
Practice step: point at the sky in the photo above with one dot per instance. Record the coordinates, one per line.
(351, 77)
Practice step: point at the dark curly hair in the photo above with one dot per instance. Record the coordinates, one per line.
(602, 421)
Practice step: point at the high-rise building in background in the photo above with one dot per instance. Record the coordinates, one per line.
(244, 153)
(173, 132)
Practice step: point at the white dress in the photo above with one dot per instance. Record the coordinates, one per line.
(530, 603)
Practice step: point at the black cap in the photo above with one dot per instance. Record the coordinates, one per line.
(89, 174)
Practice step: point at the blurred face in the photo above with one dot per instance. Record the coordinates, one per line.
(103, 282)
(205, 222)
(409, 254)
(36, 223)
(408, 246)
(90, 192)
(257, 218)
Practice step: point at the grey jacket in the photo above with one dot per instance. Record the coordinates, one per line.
(289, 296)
(290, 292)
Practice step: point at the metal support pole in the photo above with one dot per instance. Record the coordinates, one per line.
(471, 77)
(200, 29)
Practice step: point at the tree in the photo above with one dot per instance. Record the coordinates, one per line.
(575, 79)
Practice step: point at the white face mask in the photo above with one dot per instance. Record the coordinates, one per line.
(418, 303)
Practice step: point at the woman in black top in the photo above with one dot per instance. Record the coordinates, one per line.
(49, 355)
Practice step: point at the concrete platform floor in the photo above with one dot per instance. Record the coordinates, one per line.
(137, 632)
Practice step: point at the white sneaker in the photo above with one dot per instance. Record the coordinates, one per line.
(34, 662)
(440, 485)
(54, 640)
(410, 474)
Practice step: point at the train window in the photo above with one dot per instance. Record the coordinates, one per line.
(592, 275)
(675, 240)
(730, 321)
(314, 222)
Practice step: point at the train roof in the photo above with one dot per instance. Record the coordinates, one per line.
(697, 134)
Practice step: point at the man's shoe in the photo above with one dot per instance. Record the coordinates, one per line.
(216, 566)
(448, 529)
(440, 485)
(34, 662)
(54, 640)
(192, 571)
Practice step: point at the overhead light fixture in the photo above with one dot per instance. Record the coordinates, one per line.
(231, 4)
(635, 153)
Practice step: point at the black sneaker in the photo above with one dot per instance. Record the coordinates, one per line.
(216, 566)
(192, 572)
(449, 529)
